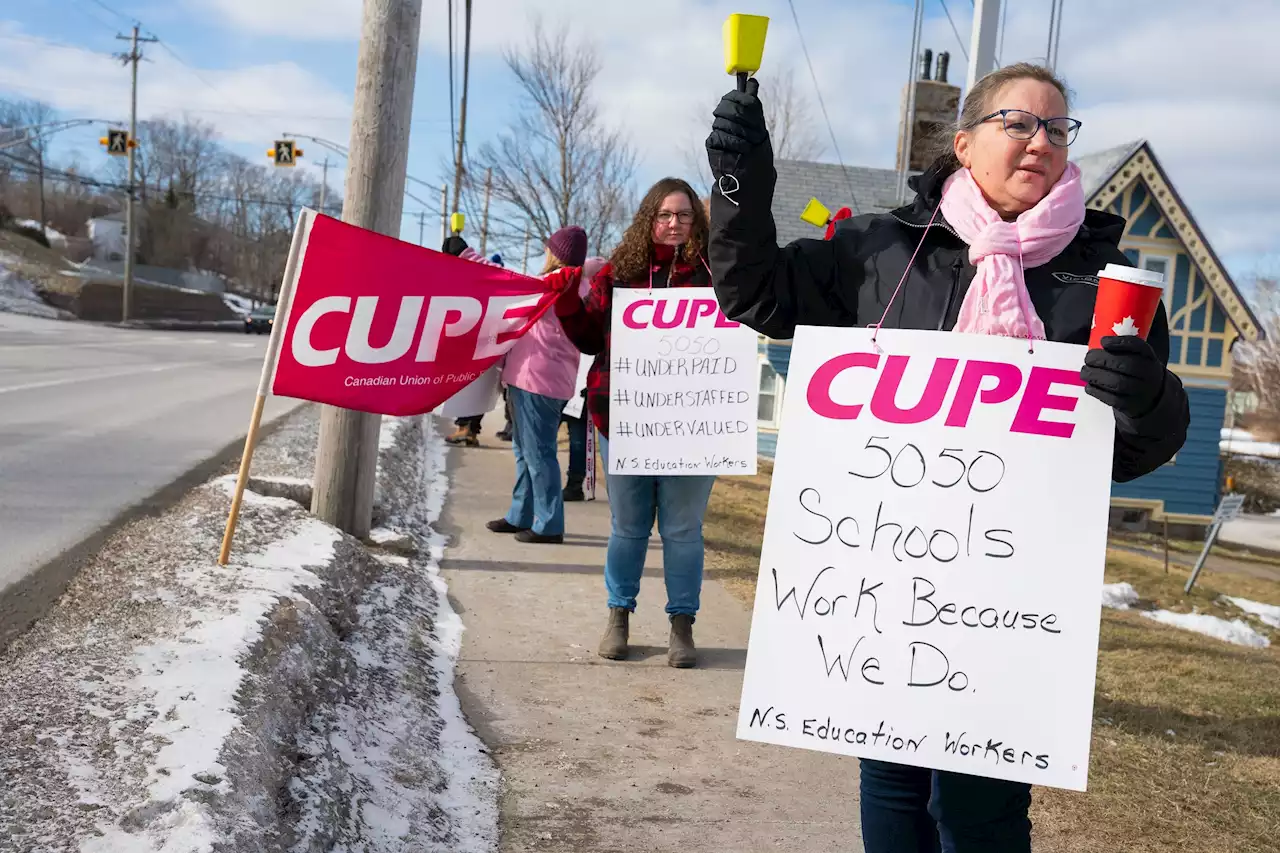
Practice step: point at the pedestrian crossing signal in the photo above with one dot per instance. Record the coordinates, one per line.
(285, 153)
(117, 142)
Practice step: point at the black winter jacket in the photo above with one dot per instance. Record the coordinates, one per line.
(849, 280)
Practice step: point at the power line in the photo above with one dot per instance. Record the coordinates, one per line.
(106, 8)
(843, 169)
(959, 40)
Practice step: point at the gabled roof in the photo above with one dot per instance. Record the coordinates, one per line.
(1097, 168)
(1107, 174)
(874, 191)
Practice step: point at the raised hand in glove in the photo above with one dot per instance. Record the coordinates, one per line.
(454, 245)
(739, 126)
(564, 279)
(1125, 374)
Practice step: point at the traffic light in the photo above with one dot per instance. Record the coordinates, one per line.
(118, 142)
(285, 153)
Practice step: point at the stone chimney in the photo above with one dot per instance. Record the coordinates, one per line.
(937, 104)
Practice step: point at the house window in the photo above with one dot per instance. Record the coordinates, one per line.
(1162, 264)
(769, 408)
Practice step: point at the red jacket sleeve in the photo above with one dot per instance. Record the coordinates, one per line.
(585, 320)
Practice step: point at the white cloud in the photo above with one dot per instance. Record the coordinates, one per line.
(1199, 82)
(247, 104)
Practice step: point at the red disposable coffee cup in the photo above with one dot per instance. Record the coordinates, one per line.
(1126, 303)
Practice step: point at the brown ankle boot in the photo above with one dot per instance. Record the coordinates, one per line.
(680, 651)
(459, 435)
(614, 643)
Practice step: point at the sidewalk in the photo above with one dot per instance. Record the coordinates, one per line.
(604, 756)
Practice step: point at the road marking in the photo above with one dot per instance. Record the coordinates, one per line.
(70, 380)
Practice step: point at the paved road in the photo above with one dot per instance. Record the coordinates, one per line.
(94, 420)
(1253, 531)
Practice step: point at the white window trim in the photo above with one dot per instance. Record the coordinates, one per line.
(1170, 269)
(780, 389)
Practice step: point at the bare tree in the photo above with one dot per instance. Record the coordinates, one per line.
(557, 163)
(789, 115)
(1258, 363)
(34, 146)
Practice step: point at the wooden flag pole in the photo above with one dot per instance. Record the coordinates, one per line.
(301, 233)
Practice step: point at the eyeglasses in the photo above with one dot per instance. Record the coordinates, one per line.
(667, 216)
(1020, 124)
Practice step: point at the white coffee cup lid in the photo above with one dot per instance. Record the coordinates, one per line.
(1133, 275)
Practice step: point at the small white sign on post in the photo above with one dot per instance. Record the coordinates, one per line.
(684, 384)
(933, 552)
(577, 402)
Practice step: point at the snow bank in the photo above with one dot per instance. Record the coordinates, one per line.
(1268, 613)
(1236, 631)
(300, 698)
(1119, 596)
(1241, 442)
(18, 296)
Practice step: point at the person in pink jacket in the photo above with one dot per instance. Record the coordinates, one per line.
(541, 373)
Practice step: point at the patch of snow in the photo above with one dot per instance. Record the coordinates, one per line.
(382, 739)
(285, 481)
(1268, 613)
(387, 432)
(1236, 631)
(227, 484)
(1239, 442)
(18, 296)
(51, 234)
(1119, 596)
(382, 535)
(191, 682)
(237, 303)
(471, 796)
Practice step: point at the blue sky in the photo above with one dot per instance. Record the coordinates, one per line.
(1173, 71)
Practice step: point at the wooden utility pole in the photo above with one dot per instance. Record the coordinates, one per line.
(524, 267)
(347, 454)
(422, 227)
(462, 112)
(444, 213)
(130, 221)
(484, 222)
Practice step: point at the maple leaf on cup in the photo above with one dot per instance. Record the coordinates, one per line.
(1125, 327)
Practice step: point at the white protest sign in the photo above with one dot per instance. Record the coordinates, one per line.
(682, 387)
(574, 407)
(933, 551)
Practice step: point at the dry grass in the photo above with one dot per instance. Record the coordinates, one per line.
(38, 264)
(1212, 786)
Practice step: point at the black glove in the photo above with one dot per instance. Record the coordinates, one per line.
(739, 123)
(454, 245)
(1125, 374)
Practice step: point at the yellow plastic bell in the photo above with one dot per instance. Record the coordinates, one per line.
(816, 213)
(456, 221)
(744, 43)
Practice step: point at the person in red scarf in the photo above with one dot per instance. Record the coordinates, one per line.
(661, 248)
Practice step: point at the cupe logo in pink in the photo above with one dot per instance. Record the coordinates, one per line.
(1009, 380)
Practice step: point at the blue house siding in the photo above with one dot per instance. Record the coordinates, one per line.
(779, 356)
(766, 443)
(1190, 484)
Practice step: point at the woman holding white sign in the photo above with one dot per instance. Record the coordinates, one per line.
(997, 241)
(661, 248)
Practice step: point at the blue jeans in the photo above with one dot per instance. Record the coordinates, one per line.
(917, 810)
(536, 501)
(679, 504)
(577, 446)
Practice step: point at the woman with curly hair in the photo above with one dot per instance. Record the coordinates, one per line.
(662, 248)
